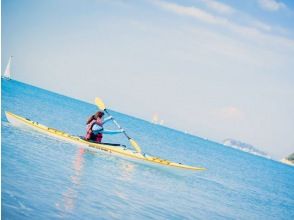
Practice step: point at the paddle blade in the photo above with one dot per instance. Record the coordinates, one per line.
(100, 103)
(135, 145)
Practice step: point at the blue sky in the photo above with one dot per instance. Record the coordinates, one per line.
(217, 69)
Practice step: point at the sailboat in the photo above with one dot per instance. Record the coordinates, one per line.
(7, 73)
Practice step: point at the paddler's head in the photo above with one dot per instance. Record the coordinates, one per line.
(99, 114)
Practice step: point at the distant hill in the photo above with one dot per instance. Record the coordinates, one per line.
(245, 147)
(289, 160)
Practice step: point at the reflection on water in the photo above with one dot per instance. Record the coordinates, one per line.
(67, 204)
(127, 170)
(126, 175)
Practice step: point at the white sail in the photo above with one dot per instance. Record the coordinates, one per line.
(154, 119)
(7, 73)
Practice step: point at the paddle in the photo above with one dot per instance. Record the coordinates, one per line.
(100, 104)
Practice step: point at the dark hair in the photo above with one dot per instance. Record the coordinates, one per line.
(99, 114)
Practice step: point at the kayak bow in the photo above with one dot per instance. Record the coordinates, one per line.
(119, 150)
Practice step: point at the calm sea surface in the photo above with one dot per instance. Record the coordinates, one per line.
(45, 178)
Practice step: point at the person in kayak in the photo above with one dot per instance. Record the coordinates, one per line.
(95, 128)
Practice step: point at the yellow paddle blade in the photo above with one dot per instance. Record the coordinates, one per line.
(100, 103)
(135, 145)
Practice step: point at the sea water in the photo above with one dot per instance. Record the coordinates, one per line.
(45, 178)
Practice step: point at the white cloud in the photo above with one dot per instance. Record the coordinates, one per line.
(219, 7)
(206, 17)
(255, 30)
(193, 12)
(262, 26)
(271, 5)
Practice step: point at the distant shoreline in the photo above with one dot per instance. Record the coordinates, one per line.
(285, 161)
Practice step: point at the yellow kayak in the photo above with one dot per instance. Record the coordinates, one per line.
(117, 149)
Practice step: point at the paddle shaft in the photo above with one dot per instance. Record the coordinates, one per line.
(101, 106)
(115, 122)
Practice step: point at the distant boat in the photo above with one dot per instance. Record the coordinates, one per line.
(156, 120)
(7, 73)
